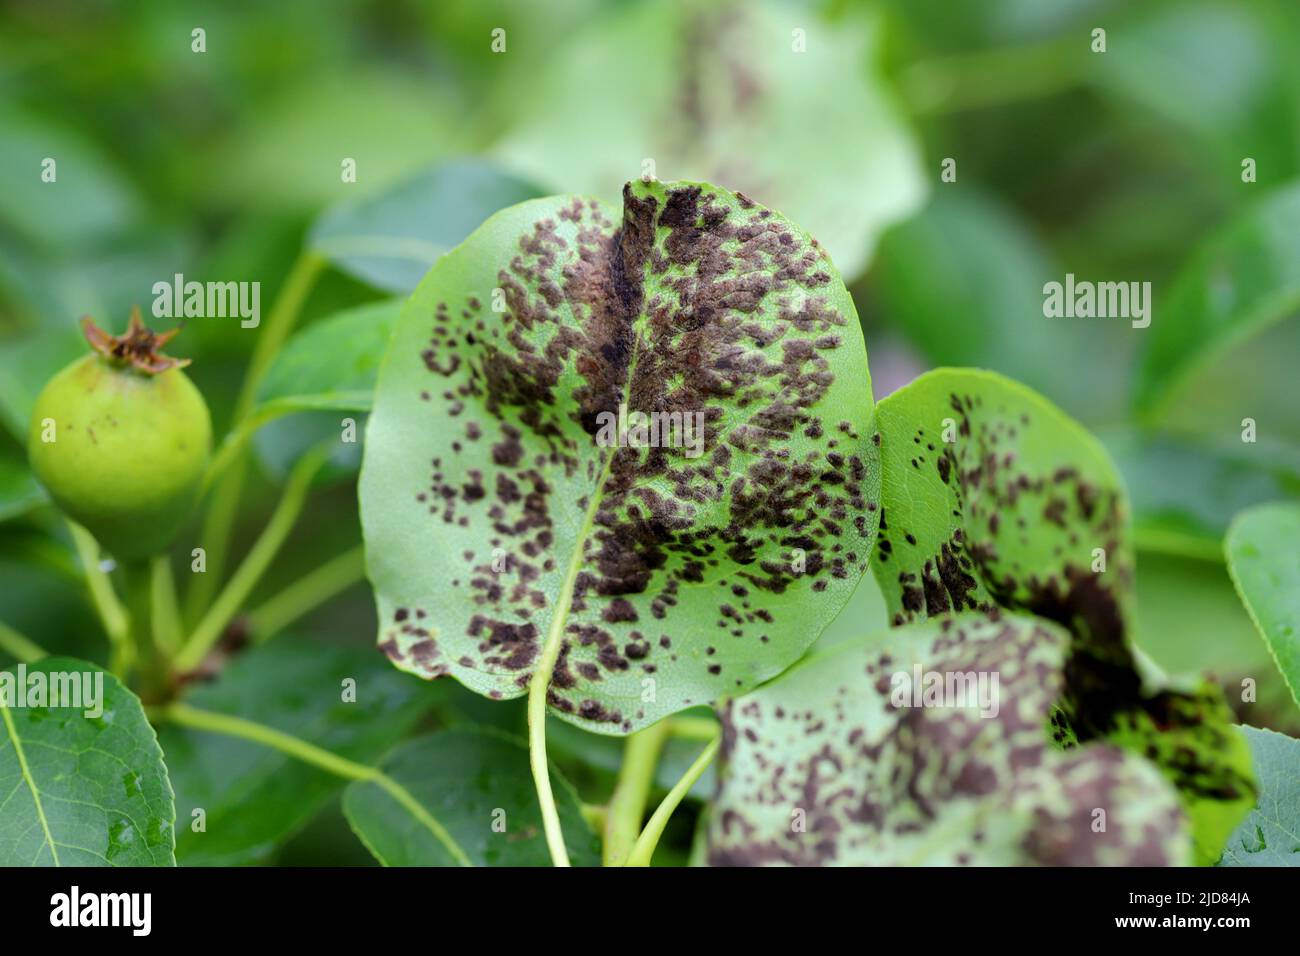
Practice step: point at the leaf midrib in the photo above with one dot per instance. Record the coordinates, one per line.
(29, 780)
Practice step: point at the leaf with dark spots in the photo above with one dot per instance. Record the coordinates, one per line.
(1029, 514)
(854, 758)
(623, 446)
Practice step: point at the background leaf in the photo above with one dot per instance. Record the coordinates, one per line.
(255, 797)
(468, 780)
(96, 785)
(720, 94)
(1239, 283)
(1270, 836)
(391, 239)
(683, 570)
(1264, 559)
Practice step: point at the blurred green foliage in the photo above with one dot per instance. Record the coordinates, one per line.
(1122, 166)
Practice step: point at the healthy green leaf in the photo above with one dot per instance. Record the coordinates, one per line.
(963, 281)
(83, 788)
(1270, 836)
(253, 797)
(1264, 561)
(854, 758)
(728, 93)
(329, 367)
(1184, 494)
(499, 518)
(19, 492)
(391, 239)
(477, 785)
(991, 497)
(1241, 282)
(87, 200)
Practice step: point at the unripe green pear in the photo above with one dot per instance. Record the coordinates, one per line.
(121, 439)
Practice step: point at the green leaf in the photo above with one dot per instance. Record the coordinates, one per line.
(1184, 493)
(963, 281)
(391, 239)
(1264, 561)
(87, 201)
(1241, 282)
(19, 492)
(475, 783)
(671, 575)
(724, 94)
(26, 364)
(254, 798)
(333, 363)
(991, 497)
(845, 761)
(329, 367)
(83, 788)
(1270, 836)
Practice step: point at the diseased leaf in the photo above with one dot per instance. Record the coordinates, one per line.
(391, 239)
(729, 93)
(1270, 836)
(254, 798)
(1241, 282)
(1263, 549)
(838, 763)
(992, 498)
(499, 517)
(82, 789)
(477, 785)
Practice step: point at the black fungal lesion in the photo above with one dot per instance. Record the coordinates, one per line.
(697, 301)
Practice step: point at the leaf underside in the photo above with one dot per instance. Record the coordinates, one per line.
(685, 576)
(1015, 510)
(1270, 836)
(828, 766)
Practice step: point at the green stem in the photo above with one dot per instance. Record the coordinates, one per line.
(540, 683)
(300, 749)
(632, 792)
(112, 615)
(703, 729)
(226, 496)
(19, 645)
(307, 593)
(167, 632)
(644, 850)
(245, 578)
(987, 78)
